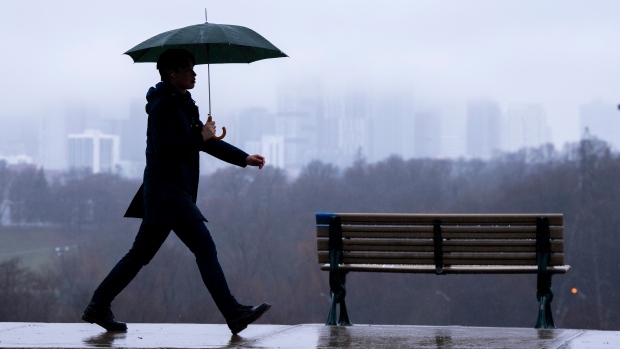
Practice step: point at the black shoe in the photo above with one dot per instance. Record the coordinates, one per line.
(246, 315)
(103, 317)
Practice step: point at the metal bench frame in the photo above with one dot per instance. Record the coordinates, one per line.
(338, 270)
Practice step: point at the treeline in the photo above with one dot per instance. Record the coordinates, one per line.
(72, 199)
(264, 228)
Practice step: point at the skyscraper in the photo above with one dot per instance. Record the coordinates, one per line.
(525, 126)
(346, 128)
(299, 114)
(483, 128)
(427, 134)
(272, 147)
(388, 122)
(93, 150)
(453, 125)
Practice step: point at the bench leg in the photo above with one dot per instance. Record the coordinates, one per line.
(545, 318)
(338, 293)
(337, 279)
(331, 317)
(545, 296)
(544, 293)
(344, 315)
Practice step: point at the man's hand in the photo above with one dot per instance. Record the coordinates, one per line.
(208, 130)
(255, 160)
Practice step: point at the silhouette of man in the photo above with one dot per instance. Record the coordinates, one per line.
(166, 200)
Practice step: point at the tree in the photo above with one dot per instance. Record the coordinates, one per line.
(24, 294)
(29, 195)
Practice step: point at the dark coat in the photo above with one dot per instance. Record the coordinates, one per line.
(173, 145)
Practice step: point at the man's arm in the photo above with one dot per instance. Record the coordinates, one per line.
(225, 152)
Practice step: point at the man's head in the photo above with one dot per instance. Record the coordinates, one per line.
(176, 67)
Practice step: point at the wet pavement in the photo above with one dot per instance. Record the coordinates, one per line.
(55, 335)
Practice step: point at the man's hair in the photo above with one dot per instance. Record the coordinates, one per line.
(175, 59)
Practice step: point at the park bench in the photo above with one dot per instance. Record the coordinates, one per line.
(441, 244)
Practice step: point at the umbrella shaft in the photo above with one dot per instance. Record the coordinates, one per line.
(209, 85)
(208, 72)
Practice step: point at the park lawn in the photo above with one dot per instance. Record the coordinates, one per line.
(36, 246)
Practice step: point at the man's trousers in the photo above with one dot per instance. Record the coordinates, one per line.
(195, 236)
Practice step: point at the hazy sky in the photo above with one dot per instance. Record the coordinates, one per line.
(559, 53)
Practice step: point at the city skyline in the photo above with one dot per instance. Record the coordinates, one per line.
(310, 123)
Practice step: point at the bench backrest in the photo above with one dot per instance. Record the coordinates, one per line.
(442, 239)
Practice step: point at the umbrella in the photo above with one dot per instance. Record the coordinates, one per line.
(210, 43)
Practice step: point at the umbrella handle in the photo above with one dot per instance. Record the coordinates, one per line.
(217, 138)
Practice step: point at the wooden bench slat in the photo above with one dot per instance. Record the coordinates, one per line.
(525, 229)
(448, 258)
(449, 219)
(528, 229)
(352, 260)
(418, 232)
(427, 245)
(430, 269)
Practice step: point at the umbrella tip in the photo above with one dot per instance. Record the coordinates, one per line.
(206, 15)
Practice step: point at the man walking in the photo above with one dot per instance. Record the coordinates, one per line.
(166, 200)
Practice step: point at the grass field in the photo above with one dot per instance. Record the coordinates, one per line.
(37, 246)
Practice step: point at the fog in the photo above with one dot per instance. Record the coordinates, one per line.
(559, 54)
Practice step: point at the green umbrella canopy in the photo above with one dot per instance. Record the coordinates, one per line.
(210, 43)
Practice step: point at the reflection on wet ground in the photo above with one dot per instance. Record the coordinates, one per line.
(39, 335)
(104, 339)
(439, 337)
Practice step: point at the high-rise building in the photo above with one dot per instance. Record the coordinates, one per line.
(273, 150)
(602, 120)
(453, 133)
(427, 134)
(346, 127)
(252, 124)
(352, 138)
(483, 128)
(389, 124)
(525, 126)
(299, 115)
(93, 150)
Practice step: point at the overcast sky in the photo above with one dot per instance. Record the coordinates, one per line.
(559, 53)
